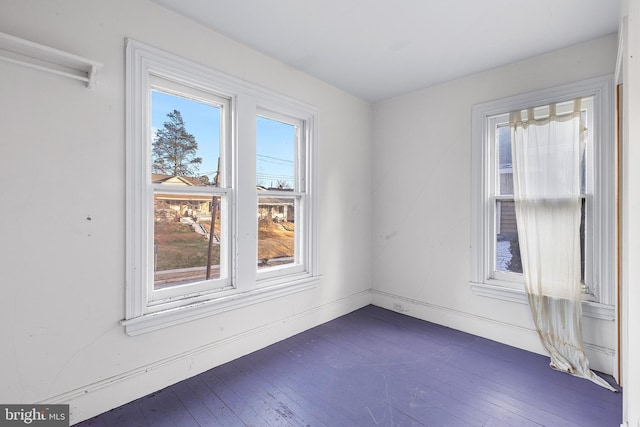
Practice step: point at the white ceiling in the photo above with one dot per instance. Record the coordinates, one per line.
(377, 49)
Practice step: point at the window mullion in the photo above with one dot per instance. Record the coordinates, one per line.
(245, 202)
(158, 193)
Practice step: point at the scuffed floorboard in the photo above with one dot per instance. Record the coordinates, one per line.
(375, 367)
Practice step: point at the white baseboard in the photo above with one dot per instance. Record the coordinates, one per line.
(101, 396)
(601, 359)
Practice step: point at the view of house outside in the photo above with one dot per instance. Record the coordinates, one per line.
(186, 139)
(275, 171)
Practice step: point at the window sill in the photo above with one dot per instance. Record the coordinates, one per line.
(589, 308)
(163, 319)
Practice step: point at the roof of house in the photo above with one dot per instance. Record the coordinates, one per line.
(157, 178)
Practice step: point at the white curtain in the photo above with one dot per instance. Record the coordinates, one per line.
(547, 154)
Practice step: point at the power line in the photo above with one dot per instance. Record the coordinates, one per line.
(275, 159)
(274, 176)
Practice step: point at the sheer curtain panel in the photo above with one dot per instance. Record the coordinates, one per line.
(547, 156)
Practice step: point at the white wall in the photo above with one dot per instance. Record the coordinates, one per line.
(422, 184)
(62, 160)
(630, 79)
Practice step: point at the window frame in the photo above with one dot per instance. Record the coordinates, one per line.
(146, 309)
(299, 193)
(601, 232)
(161, 299)
(495, 195)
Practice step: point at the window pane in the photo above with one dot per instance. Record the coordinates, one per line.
(275, 154)
(505, 170)
(185, 139)
(276, 231)
(583, 247)
(182, 250)
(507, 246)
(583, 159)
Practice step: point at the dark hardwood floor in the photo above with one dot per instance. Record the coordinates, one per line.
(375, 367)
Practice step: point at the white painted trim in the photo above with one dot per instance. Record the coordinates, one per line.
(604, 188)
(589, 308)
(305, 213)
(44, 58)
(148, 309)
(175, 316)
(622, 31)
(630, 204)
(600, 358)
(506, 333)
(98, 397)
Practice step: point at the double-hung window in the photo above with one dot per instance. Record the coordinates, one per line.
(496, 268)
(190, 145)
(219, 191)
(281, 183)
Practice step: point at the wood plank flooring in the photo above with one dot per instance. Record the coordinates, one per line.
(375, 367)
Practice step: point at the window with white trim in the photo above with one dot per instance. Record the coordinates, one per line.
(281, 183)
(495, 267)
(190, 147)
(200, 145)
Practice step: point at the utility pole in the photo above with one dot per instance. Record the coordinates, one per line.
(212, 225)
